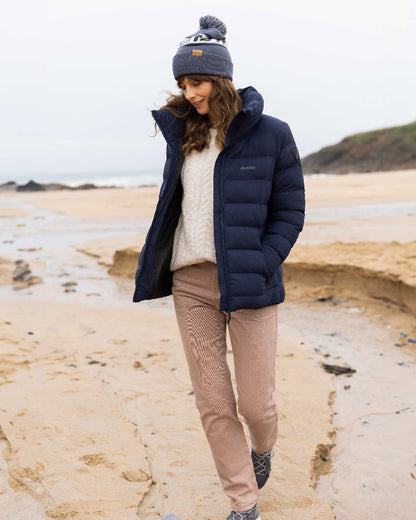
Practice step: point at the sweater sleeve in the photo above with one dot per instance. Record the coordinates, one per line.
(286, 210)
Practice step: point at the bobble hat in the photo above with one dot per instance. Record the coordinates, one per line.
(204, 52)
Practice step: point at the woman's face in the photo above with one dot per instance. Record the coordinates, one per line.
(197, 92)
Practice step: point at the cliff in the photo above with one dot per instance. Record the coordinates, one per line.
(378, 150)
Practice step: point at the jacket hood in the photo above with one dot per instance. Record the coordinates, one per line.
(248, 116)
(173, 128)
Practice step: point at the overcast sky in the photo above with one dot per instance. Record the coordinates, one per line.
(78, 77)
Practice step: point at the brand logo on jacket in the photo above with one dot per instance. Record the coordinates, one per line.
(247, 167)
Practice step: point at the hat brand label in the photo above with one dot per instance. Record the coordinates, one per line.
(196, 52)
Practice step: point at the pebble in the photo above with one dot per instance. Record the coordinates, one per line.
(69, 284)
(411, 340)
(22, 271)
(337, 370)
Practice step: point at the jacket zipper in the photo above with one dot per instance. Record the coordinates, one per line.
(227, 308)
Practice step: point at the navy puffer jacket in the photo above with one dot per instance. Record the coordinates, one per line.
(259, 205)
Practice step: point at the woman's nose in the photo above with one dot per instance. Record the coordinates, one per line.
(189, 93)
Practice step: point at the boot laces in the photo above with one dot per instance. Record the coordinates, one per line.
(262, 462)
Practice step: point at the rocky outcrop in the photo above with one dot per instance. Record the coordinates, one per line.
(37, 186)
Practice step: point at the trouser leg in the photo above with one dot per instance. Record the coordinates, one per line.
(253, 336)
(203, 330)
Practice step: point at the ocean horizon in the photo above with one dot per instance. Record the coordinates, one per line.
(101, 179)
(119, 179)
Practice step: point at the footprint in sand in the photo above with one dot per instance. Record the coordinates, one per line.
(94, 459)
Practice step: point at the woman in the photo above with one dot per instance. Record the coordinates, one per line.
(230, 208)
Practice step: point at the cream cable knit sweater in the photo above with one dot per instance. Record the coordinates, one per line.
(194, 236)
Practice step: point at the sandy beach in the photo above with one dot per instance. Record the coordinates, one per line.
(97, 416)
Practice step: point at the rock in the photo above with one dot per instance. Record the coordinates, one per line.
(31, 186)
(22, 271)
(337, 370)
(86, 187)
(69, 286)
(51, 186)
(8, 186)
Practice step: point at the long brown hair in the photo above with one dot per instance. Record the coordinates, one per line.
(224, 104)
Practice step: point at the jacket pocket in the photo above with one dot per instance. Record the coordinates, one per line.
(271, 260)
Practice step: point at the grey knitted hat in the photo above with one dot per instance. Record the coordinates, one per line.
(204, 52)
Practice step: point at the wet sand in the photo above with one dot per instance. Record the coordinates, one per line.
(97, 413)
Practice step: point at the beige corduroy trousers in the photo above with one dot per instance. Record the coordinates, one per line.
(253, 336)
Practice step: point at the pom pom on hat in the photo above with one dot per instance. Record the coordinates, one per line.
(207, 21)
(204, 52)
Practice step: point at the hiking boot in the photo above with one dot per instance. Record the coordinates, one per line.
(251, 514)
(262, 466)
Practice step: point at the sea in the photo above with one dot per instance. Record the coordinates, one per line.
(119, 179)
